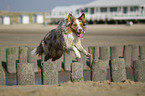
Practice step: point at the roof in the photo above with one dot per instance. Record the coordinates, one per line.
(4, 16)
(66, 8)
(37, 15)
(23, 15)
(108, 3)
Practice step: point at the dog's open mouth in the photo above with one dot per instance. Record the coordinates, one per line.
(81, 35)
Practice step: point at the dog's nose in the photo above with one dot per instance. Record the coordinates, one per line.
(80, 30)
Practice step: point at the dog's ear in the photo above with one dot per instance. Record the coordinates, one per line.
(82, 18)
(70, 19)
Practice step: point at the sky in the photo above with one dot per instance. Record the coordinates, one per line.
(36, 5)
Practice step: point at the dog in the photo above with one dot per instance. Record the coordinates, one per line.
(65, 38)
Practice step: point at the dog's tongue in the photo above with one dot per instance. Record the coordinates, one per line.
(81, 35)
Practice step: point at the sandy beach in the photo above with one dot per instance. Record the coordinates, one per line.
(96, 35)
(88, 88)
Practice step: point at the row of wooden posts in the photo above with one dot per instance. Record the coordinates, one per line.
(115, 58)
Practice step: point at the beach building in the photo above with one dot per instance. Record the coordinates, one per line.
(37, 18)
(61, 12)
(117, 11)
(24, 19)
(109, 11)
(5, 20)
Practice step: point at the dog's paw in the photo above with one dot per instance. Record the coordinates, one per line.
(88, 55)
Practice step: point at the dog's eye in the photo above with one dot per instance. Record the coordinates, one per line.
(81, 24)
(75, 25)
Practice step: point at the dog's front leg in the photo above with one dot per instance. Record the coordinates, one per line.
(80, 47)
(77, 53)
(75, 50)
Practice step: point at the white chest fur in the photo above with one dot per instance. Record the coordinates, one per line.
(71, 39)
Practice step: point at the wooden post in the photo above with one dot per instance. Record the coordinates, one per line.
(127, 55)
(76, 72)
(2, 75)
(91, 50)
(139, 70)
(82, 60)
(58, 63)
(49, 73)
(11, 60)
(114, 52)
(118, 71)
(104, 54)
(0, 54)
(96, 53)
(32, 58)
(134, 53)
(67, 61)
(23, 54)
(142, 52)
(25, 74)
(99, 70)
(94, 50)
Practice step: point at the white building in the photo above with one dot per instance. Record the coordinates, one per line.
(115, 10)
(24, 19)
(106, 11)
(61, 12)
(5, 20)
(37, 18)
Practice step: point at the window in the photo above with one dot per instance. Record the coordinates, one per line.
(82, 10)
(133, 9)
(125, 10)
(91, 10)
(86, 10)
(77, 11)
(113, 9)
(103, 10)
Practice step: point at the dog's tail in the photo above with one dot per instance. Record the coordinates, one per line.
(38, 50)
(33, 52)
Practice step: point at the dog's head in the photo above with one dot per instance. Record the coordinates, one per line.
(77, 25)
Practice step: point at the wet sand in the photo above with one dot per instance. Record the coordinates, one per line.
(96, 35)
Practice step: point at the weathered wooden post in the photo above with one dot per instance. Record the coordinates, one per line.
(77, 72)
(127, 55)
(58, 63)
(0, 53)
(142, 52)
(134, 53)
(99, 70)
(2, 75)
(139, 70)
(114, 52)
(118, 71)
(67, 61)
(82, 60)
(91, 50)
(104, 54)
(94, 50)
(25, 74)
(23, 54)
(49, 73)
(32, 58)
(11, 60)
(96, 53)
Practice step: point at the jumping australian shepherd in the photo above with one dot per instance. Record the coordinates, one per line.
(65, 38)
